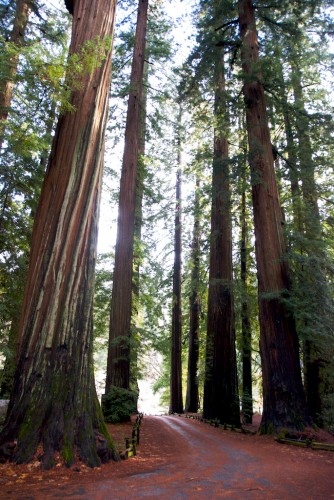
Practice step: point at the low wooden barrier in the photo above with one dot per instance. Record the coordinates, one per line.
(307, 443)
(132, 443)
(215, 423)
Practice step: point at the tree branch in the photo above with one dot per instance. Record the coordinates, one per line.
(230, 23)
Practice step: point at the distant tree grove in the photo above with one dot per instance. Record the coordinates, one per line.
(226, 284)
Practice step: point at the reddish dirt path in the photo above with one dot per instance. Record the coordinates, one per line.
(180, 458)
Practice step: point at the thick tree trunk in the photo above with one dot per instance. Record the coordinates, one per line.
(246, 333)
(118, 367)
(220, 389)
(7, 84)
(283, 396)
(176, 403)
(192, 401)
(54, 400)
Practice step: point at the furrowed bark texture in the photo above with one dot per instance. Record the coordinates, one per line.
(176, 403)
(54, 400)
(17, 39)
(220, 388)
(283, 397)
(192, 401)
(118, 366)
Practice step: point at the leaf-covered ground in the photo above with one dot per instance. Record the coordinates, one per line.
(186, 457)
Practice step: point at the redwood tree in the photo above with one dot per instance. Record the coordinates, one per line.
(176, 403)
(246, 332)
(283, 396)
(54, 400)
(192, 400)
(118, 367)
(220, 388)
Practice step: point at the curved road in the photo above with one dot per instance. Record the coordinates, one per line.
(187, 459)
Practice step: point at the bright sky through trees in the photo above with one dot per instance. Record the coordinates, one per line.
(180, 14)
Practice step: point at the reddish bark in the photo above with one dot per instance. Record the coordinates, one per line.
(118, 367)
(54, 400)
(220, 388)
(283, 396)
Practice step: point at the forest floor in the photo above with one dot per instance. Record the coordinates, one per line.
(185, 458)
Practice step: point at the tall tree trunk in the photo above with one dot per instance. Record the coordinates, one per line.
(137, 258)
(176, 403)
(246, 333)
(283, 396)
(54, 400)
(118, 367)
(192, 401)
(16, 39)
(220, 389)
(291, 149)
(138, 251)
(316, 347)
(291, 152)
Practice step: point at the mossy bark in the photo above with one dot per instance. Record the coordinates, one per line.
(54, 400)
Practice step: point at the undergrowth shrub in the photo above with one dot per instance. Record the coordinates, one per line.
(119, 404)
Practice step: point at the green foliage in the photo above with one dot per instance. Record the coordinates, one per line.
(80, 64)
(119, 404)
(65, 74)
(162, 384)
(25, 149)
(102, 298)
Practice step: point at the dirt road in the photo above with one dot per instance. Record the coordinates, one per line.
(180, 458)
